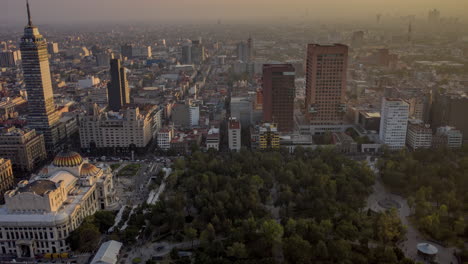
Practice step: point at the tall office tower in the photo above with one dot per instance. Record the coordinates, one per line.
(198, 52)
(117, 89)
(250, 45)
(9, 58)
(433, 16)
(393, 122)
(42, 114)
(126, 50)
(449, 109)
(242, 51)
(187, 53)
(357, 39)
(326, 86)
(278, 95)
(234, 134)
(52, 47)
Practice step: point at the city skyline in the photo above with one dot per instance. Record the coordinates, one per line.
(210, 10)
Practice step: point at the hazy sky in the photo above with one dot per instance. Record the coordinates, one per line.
(49, 11)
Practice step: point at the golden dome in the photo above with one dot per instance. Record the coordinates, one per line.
(67, 159)
(88, 170)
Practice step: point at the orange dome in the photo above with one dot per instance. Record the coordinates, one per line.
(88, 170)
(67, 159)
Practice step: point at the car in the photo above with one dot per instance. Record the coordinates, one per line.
(160, 248)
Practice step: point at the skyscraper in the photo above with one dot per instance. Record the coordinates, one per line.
(326, 86)
(278, 95)
(198, 52)
(42, 114)
(393, 123)
(117, 89)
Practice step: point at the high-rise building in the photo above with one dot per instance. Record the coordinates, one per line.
(278, 95)
(187, 53)
(234, 134)
(198, 52)
(6, 176)
(103, 59)
(433, 16)
(250, 45)
(117, 89)
(42, 115)
(394, 122)
(419, 135)
(326, 86)
(449, 109)
(357, 40)
(126, 130)
(126, 50)
(245, 50)
(164, 138)
(52, 47)
(9, 58)
(24, 147)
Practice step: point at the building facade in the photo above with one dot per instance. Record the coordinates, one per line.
(419, 135)
(42, 114)
(118, 92)
(6, 176)
(24, 147)
(234, 134)
(40, 214)
(278, 95)
(127, 130)
(394, 123)
(326, 86)
(164, 138)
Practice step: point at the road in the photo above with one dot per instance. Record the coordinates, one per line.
(413, 236)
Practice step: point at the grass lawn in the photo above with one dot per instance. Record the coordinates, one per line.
(114, 166)
(129, 170)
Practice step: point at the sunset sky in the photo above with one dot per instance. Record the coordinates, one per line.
(45, 11)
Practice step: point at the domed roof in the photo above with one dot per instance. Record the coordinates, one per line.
(67, 159)
(88, 170)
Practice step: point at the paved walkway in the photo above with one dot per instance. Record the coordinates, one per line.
(413, 237)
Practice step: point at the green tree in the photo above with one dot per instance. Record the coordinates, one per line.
(237, 250)
(190, 233)
(297, 250)
(104, 220)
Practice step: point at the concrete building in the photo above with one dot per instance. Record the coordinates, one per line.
(326, 87)
(121, 131)
(89, 81)
(394, 123)
(212, 139)
(6, 176)
(9, 58)
(241, 109)
(419, 135)
(266, 136)
(447, 137)
(278, 95)
(133, 51)
(164, 138)
(186, 53)
(234, 134)
(198, 52)
(118, 91)
(194, 112)
(40, 214)
(24, 147)
(449, 109)
(42, 114)
(52, 47)
(369, 120)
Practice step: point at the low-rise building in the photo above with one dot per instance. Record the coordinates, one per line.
(212, 139)
(266, 136)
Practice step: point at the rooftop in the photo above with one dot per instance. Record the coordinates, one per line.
(39, 187)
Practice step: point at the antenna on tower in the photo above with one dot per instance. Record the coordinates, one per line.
(29, 14)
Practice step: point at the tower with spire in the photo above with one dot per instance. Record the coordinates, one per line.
(42, 114)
